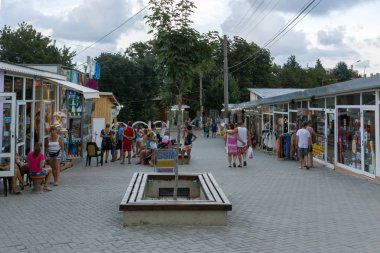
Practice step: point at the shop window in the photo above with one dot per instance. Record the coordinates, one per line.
(369, 98)
(317, 103)
(281, 107)
(46, 91)
(304, 104)
(293, 105)
(29, 89)
(267, 108)
(8, 84)
(351, 99)
(19, 88)
(330, 103)
(349, 137)
(293, 126)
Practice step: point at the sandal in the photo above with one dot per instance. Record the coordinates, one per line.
(47, 189)
(55, 184)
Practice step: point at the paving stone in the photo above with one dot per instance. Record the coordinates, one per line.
(276, 208)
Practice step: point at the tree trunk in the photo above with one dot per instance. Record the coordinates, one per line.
(179, 123)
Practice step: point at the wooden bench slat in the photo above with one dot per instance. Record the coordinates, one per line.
(212, 189)
(142, 189)
(129, 188)
(220, 192)
(136, 188)
(205, 189)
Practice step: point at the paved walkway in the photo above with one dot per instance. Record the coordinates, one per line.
(276, 208)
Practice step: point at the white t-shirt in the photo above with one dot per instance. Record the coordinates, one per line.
(242, 131)
(303, 138)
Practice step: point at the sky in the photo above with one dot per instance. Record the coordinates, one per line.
(333, 31)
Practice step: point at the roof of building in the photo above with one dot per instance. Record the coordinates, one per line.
(272, 92)
(351, 86)
(14, 68)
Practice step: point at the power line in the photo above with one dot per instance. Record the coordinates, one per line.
(261, 20)
(280, 34)
(252, 16)
(103, 37)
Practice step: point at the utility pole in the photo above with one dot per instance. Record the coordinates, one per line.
(201, 94)
(225, 70)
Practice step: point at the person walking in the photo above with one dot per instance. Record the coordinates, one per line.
(55, 150)
(119, 141)
(242, 147)
(214, 128)
(189, 137)
(312, 134)
(128, 136)
(106, 141)
(303, 141)
(232, 139)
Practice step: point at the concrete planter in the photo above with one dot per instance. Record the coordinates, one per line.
(149, 201)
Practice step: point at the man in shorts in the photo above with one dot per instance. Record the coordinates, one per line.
(119, 141)
(303, 142)
(128, 136)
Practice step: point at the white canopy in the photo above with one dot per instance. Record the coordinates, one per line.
(175, 107)
(88, 93)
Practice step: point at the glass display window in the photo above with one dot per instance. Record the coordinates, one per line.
(19, 88)
(267, 122)
(281, 107)
(318, 137)
(293, 124)
(350, 99)
(8, 84)
(317, 103)
(330, 102)
(349, 137)
(368, 98)
(29, 89)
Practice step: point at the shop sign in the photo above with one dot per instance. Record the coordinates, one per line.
(318, 150)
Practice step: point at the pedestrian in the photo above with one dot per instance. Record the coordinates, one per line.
(312, 134)
(119, 141)
(55, 150)
(113, 145)
(36, 162)
(206, 129)
(303, 141)
(242, 147)
(106, 134)
(139, 139)
(154, 139)
(214, 129)
(128, 136)
(232, 139)
(189, 137)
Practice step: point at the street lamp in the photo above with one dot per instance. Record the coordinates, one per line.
(352, 64)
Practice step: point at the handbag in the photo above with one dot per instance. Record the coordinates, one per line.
(54, 154)
(250, 153)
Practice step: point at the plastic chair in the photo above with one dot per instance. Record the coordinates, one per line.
(93, 151)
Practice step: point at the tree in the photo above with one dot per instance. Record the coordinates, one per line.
(341, 72)
(178, 48)
(26, 45)
(133, 80)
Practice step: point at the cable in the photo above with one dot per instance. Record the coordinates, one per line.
(252, 15)
(130, 18)
(261, 20)
(278, 34)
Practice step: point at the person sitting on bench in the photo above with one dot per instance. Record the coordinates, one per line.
(17, 175)
(36, 162)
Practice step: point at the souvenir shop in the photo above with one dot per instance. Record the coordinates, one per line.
(344, 116)
(32, 100)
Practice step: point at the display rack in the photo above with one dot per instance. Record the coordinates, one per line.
(79, 123)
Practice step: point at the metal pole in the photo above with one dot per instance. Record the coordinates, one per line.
(201, 94)
(225, 70)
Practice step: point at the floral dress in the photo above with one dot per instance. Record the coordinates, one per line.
(232, 144)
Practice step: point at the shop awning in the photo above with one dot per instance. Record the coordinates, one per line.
(88, 93)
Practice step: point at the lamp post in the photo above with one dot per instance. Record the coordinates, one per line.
(352, 64)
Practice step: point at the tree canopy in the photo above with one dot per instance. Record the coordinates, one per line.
(26, 45)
